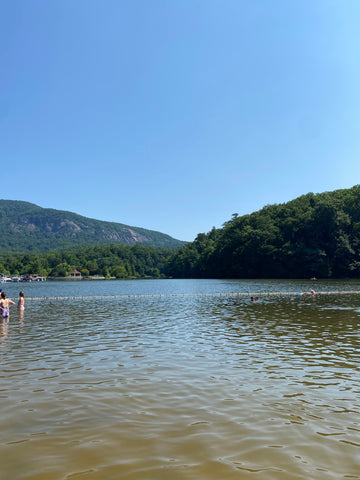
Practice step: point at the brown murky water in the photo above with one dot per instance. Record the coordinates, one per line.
(181, 388)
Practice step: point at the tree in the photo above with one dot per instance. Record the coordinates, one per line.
(60, 270)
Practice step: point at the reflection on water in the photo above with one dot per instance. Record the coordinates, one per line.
(181, 387)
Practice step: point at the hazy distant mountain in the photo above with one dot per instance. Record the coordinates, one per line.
(25, 227)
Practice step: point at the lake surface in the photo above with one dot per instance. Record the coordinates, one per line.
(180, 380)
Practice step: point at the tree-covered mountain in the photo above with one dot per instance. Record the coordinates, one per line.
(315, 235)
(25, 227)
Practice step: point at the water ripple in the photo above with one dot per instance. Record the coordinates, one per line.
(182, 387)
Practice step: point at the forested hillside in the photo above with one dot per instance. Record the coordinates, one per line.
(315, 235)
(25, 227)
(119, 261)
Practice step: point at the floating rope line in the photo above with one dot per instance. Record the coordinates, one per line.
(230, 294)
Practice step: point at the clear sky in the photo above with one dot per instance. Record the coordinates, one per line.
(172, 115)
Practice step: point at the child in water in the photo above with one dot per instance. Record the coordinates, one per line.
(21, 302)
(5, 304)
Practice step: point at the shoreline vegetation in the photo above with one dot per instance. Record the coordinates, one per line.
(313, 236)
(97, 277)
(90, 262)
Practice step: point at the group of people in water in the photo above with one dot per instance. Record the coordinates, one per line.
(6, 303)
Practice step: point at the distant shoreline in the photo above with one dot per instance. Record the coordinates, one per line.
(89, 278)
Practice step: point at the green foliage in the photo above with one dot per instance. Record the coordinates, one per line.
(313, 235)
(119, 261)
(25, 227)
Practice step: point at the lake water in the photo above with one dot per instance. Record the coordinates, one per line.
(177, 380)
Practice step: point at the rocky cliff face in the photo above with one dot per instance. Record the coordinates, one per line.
(69, 228)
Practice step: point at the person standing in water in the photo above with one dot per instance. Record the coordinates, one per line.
(5, 304)
(21, 302)
(21, 307)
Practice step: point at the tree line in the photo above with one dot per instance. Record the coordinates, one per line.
(315, 235)
(117, 261)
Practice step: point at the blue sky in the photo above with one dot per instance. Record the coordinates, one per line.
(172, 115)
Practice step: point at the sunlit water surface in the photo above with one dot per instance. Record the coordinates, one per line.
(148, 387)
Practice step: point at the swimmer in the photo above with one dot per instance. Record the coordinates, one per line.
(5, 304)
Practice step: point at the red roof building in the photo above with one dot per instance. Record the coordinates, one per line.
(75, 273)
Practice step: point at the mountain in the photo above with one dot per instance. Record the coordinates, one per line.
(315, 235)
(26, 227)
